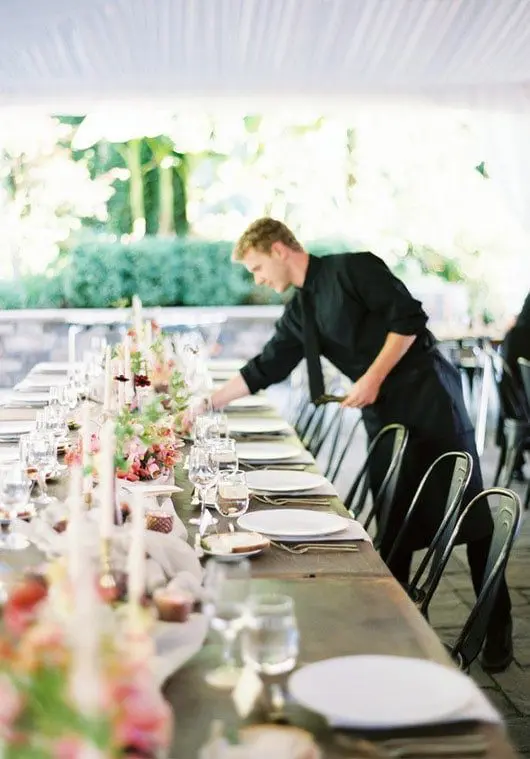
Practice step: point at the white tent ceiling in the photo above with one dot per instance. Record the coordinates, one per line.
(67, 53)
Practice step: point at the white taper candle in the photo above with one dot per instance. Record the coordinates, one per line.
(106, 478)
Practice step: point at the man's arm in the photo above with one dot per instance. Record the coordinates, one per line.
(234, 388)
(372, 282)
(366, 389)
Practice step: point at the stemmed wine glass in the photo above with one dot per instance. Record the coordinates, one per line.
(226, 589)
(232, 496)
(39, 452)
(15, 487)
(202, 472)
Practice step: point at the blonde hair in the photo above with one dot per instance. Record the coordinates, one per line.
(261, 236)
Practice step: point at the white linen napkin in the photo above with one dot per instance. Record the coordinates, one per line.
(176, 643)
(353, 531)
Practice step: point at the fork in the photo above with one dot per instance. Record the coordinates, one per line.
(301, 548)
(421, 747)
(286, 501)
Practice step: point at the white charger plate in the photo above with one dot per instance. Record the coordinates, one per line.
(293, 522)
(284, 481)
(256, 425)
(396, 691)
(249, 402)
(267, 451)
(10, 429)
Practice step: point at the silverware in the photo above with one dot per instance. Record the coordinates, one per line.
(273, 501)
(301, 548)
(420, 747)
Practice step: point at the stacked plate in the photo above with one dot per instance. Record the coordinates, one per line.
(292, 523)
(254, 426)
(249, 403)
(35, 400)
(41, 382)
(268, 451)
(382, 692)
(284, 481)
(12, 431)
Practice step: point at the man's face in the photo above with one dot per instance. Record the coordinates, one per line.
(270, 270)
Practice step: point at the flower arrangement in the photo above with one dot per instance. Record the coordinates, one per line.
(40, 716)
(147, 446)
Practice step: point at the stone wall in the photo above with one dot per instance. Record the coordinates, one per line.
(27, 337)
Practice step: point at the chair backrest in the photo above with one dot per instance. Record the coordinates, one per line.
(512, 399)
(311, 435)
(524, 367)
(427, 576)
(382, 500)
(340, 437)
(506, 521)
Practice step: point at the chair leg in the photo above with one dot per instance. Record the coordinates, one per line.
(500, 464)
(527, 498)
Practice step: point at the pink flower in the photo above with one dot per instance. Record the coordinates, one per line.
(144, 722)
(74, 747)
(10, 705)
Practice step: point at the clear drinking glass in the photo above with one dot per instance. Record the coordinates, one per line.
(226, 589)
(224, 450)
(232, 496)
(15, 487)
(220, 424)
(42, 455)
(203, 470)
(269, 638)
(205, 428)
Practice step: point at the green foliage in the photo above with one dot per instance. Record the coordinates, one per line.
(176, 271)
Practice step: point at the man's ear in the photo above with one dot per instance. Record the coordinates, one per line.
(279, 251)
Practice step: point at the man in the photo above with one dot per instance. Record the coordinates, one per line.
(516, 344)
(351, 309)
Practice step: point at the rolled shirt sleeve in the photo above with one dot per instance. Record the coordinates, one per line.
(280, 355)
(372, 282)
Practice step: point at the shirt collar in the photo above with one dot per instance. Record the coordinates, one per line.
(311, 276)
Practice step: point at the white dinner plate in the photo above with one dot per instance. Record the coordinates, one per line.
(28, 399)
(283, 481)
(396, 691)
(249, 402)
(256, 425)
(52, 367)
(267, 451)
(15, 428)
(41, 382)
(293, 522)
(9, 454)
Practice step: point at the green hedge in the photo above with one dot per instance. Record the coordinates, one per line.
(164, 272)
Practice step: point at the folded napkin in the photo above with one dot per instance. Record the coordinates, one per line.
(353, 531)
(169, 554)
(478, 709)
(176, 643)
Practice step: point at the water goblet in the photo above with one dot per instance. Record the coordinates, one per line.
(203, 470)
(232, 496)
(15, 487)
(226, 589)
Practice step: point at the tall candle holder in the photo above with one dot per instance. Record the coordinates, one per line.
(107, 581)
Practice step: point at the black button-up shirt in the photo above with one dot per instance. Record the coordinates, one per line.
(357, 301)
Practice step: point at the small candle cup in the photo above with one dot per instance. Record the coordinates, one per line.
(172, 605)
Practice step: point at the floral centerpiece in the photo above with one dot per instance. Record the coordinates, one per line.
(40, 714)
(147, 446)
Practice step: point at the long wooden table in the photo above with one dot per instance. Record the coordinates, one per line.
(346, 603)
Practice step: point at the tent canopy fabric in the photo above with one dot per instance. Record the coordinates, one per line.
(469, 52)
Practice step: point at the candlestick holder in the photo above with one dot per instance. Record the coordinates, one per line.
(107, 581)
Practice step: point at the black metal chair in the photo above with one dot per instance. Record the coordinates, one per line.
(506, 521)
(383, 500)
(515, 412)
(425, 580)
(524, 368)
(338, 436)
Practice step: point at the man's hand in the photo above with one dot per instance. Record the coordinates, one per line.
(363, 393)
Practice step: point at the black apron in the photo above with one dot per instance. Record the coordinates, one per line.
(428, 401)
